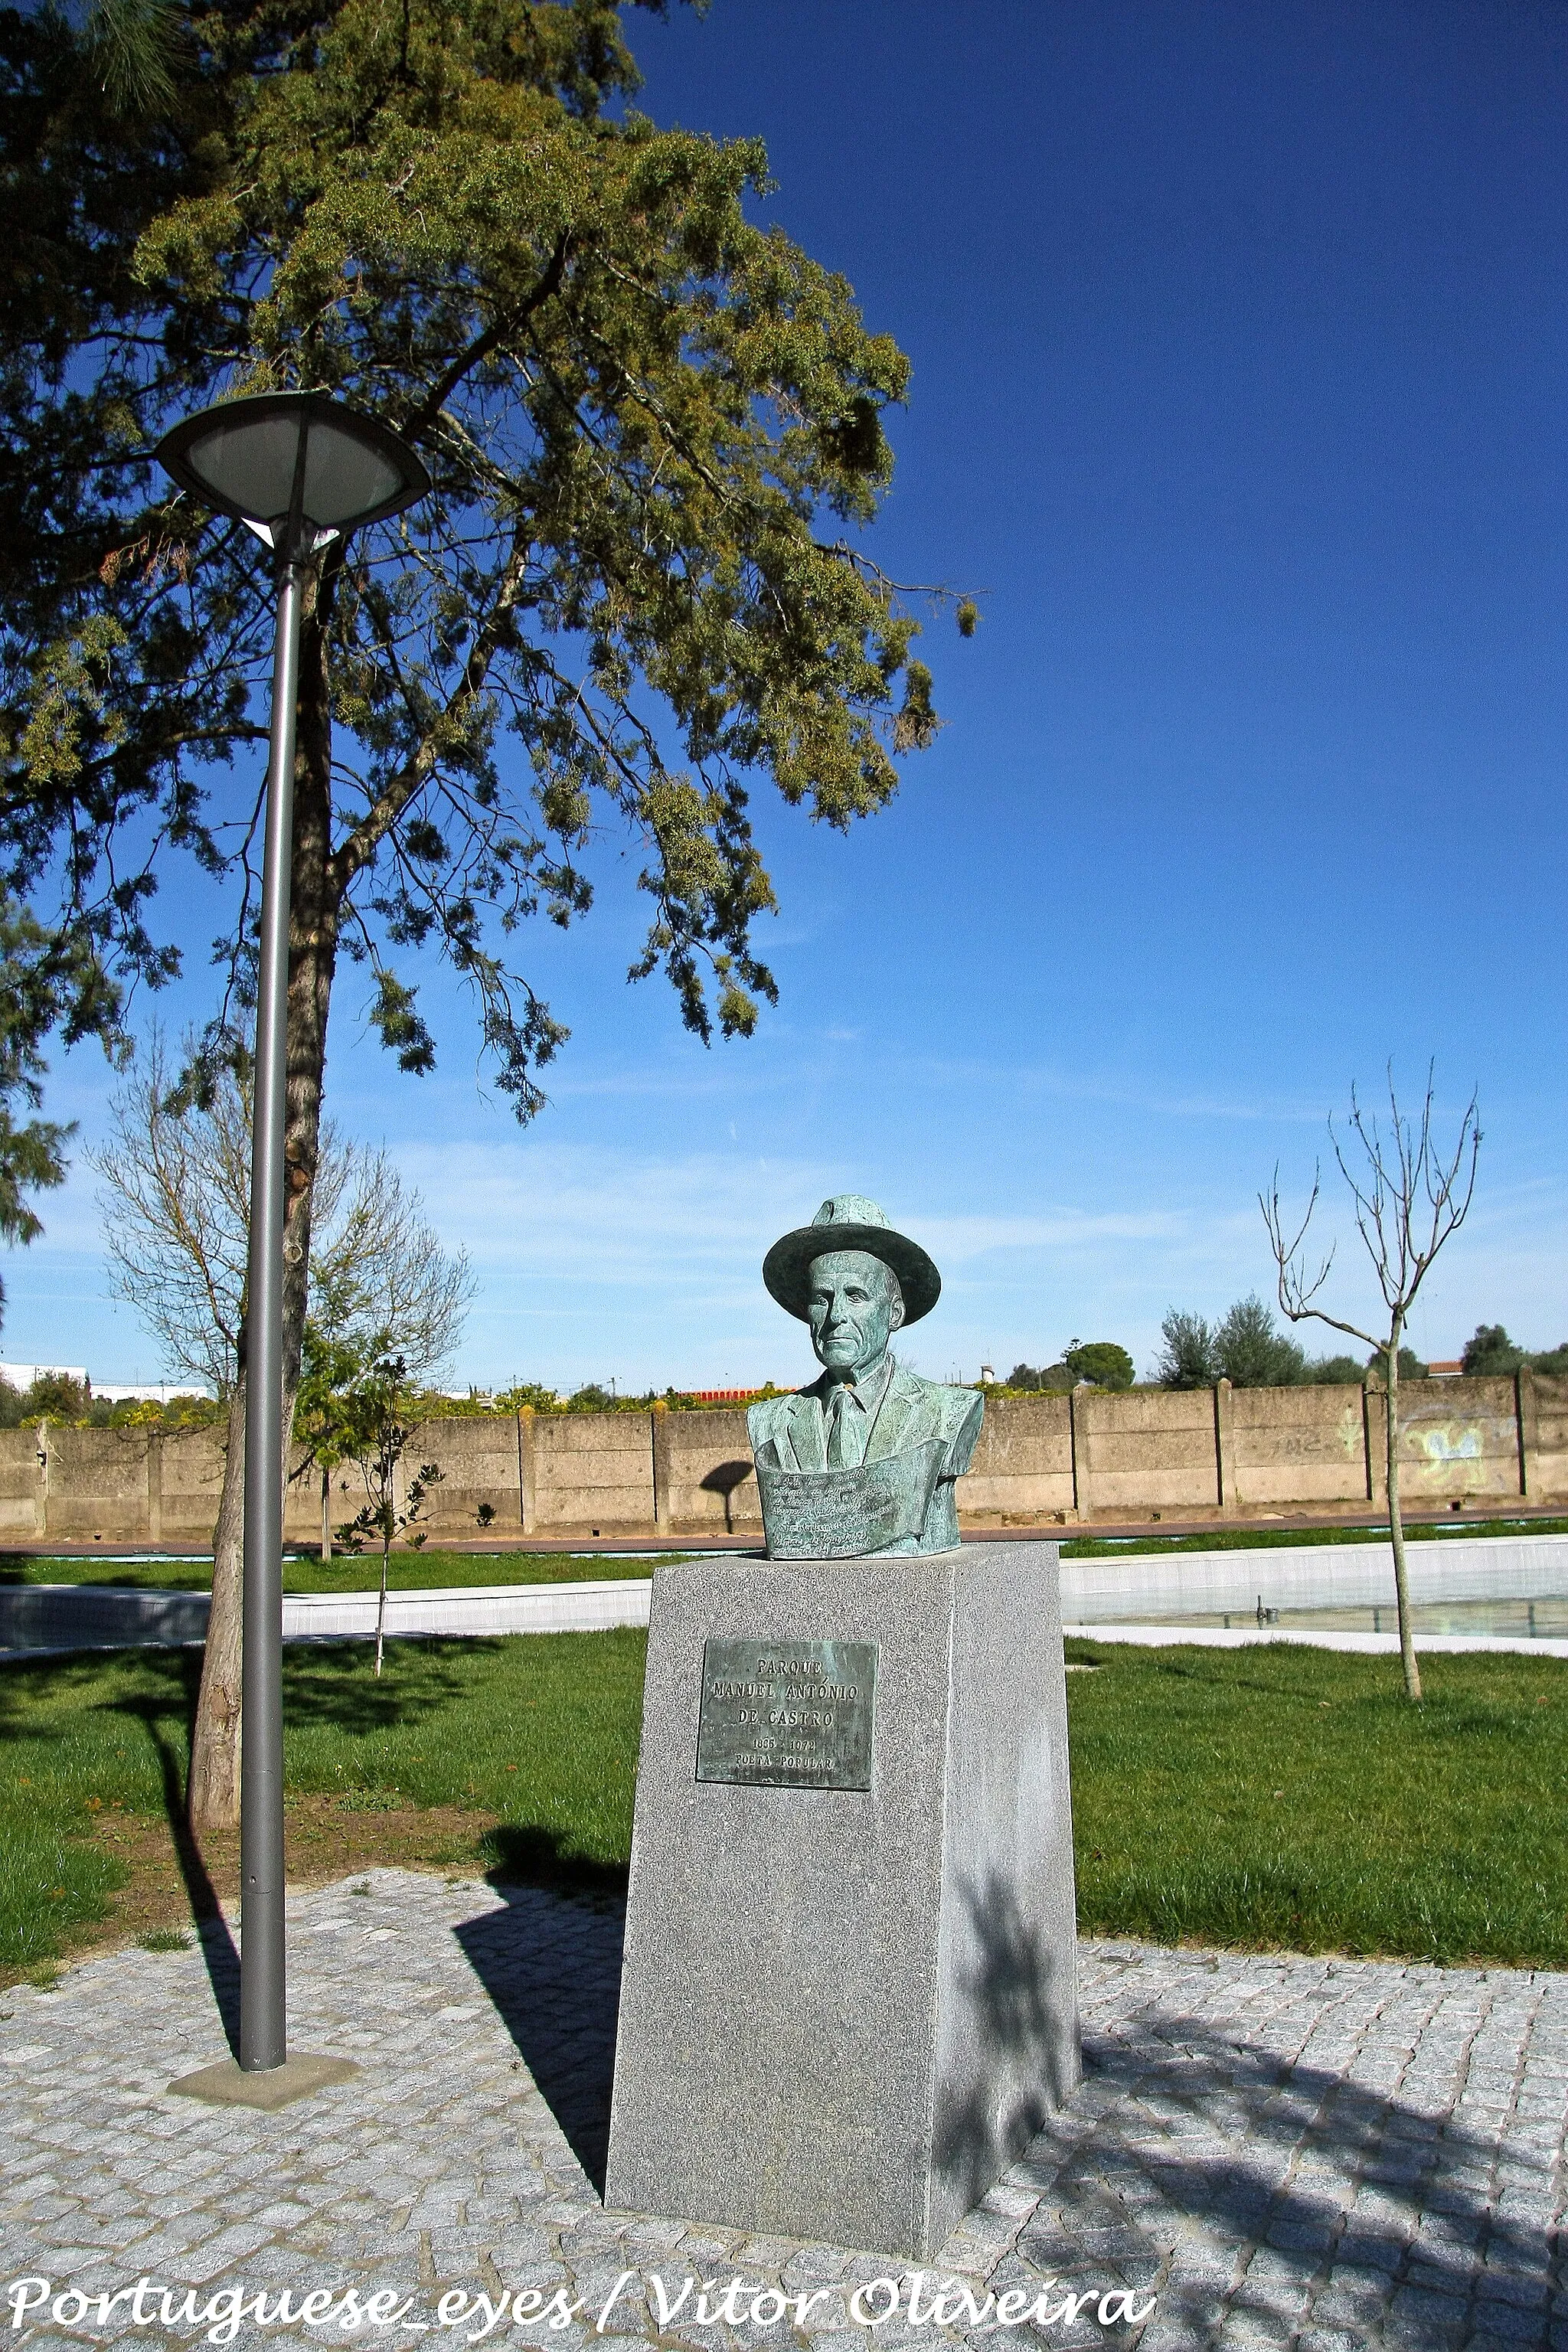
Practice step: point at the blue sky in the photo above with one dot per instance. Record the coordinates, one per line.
(1239, 346)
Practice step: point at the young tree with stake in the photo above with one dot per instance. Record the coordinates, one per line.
(368, 1422)
(1409, 1198)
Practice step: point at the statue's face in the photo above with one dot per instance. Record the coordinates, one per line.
(855, 1305)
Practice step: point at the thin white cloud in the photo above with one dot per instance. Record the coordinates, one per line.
(597, 1258)
(556, 1208)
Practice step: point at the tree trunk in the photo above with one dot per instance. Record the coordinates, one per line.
(326, 1515)
(314, 920)
(381, 1607)
(213, 1797)
(1396, 1528)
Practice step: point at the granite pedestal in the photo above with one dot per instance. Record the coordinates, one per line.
(847, 2008)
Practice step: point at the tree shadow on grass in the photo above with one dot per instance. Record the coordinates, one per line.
(156, 1692)
(551, 1962)
(352, 1703)
(333, 1685)
(1325, 2175)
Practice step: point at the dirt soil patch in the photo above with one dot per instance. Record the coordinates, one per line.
(176, 1876)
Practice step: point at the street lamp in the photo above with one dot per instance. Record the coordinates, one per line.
(300, 470)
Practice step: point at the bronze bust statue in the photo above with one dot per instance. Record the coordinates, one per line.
(865, 1461)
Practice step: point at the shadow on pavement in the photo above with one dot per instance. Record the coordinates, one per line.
(1357, 2213)
(1265, 2200)
(551, 1962)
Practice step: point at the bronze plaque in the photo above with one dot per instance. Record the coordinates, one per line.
(787, 1714)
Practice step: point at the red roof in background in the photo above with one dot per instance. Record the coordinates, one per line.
(724, 1396)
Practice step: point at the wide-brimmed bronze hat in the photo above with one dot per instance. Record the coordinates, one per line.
(850, 1222)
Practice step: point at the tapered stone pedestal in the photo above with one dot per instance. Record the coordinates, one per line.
(845, 2008)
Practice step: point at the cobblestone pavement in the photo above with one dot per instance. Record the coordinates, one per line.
(1323, 2154)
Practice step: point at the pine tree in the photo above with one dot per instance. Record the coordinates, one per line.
(654, 430)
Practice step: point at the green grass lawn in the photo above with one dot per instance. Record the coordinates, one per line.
(1276, 1795)
(539, 1734)
(411, 1572)
(1284, 1795)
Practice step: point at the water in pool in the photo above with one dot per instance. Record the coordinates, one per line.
(1541, 1620)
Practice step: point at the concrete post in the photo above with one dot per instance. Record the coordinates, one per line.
(1078, 1426)
(155, 1486)
(1374, 1427)
(1223, 1447)
(659, 1417)
(525, 1468)
(1526, 1417)
(41, 1483)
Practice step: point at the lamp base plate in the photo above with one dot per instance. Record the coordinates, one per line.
(227, 2085)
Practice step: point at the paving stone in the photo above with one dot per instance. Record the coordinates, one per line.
(1284, 2150)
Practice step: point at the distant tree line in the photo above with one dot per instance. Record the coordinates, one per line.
(334, 1371)
(1490, 1351)
(54, 1396)
(1243, 1347)
(1102, 1362)
(1247, 1348)
(590, 1398)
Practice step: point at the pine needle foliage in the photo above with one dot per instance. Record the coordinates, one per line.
(655, 432)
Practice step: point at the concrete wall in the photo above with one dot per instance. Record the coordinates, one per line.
(1152, 1447)
(1289, 1446)
(1544, 1435)
(591, 1471)
(1022, 1471)
(1197, 1454)
(704, 1482)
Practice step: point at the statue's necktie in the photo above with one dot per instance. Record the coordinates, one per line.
(841, 1449)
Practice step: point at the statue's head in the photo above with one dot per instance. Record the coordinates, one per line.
(854, 1279)
(854, 1305)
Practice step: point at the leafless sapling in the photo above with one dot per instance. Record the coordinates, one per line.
(1409, 1196)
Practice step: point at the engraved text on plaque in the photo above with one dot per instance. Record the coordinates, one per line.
(787, 1713)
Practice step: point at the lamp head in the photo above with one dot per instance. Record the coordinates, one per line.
(297, 468)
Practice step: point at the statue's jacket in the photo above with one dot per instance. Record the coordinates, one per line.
(912, 1412)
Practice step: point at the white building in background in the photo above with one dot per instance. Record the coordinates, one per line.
(22, 1376)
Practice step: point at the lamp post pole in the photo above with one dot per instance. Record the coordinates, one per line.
(263, 2022)
(300, 470)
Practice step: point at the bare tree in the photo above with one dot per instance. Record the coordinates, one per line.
(1409, 1197)
(176, 1200)
(175, 1204)
(380, 1281)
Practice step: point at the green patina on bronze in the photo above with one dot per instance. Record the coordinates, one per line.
(865, 1461)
